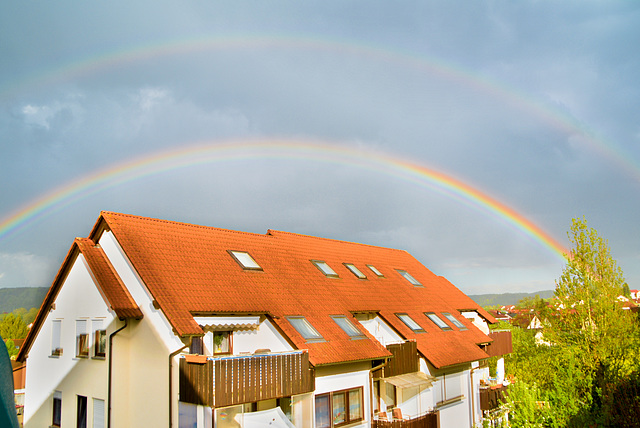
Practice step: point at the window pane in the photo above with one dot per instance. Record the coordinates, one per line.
(221, 342)
(454, 320)
(245, 260)
(375, 270)
(324, 268)
(339, 415)
(357, 272)
(305, 329)
(347, 326)
(82, 339)
(57, 408)
(56, 348)
(322, 412)
(355, 404)
(99, 339)
(437, 321)
(410, 322)
(408, 277)
(82, 412)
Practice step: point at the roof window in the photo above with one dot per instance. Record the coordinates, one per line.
(354, 270)
(348, 327)
(454, 321)
(375, 270)
(437, 320)
(305, 329)
(408, 277)
(325, 268)
(410, 323)
(245, 260)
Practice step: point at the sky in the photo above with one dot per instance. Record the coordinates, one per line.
(467, 133)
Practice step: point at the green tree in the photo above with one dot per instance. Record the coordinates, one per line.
(11, 348)
(590, 365)
(12, 327)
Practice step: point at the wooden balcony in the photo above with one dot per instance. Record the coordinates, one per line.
(405, 360)
(490, 397)
(430, 420)
(226, 381)
(501, 344)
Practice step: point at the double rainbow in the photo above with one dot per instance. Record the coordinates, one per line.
(209, 153)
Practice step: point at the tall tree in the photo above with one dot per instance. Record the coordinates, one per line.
(588, 316)
(12, 327)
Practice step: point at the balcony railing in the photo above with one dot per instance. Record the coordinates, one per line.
(405, 360)
(227, 381)
(430, 420)
(501, 344)
(490, 397)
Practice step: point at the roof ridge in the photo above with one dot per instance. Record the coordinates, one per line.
(274, 232)
(181, 223)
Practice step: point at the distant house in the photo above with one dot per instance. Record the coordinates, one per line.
(158, 323)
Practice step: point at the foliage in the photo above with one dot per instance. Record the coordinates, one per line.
(588, 373)
(13, 327)
(11, 348)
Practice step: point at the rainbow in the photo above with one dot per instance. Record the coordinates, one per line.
(207, 153)
(434, 66)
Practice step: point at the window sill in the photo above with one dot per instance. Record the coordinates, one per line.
(98, 357)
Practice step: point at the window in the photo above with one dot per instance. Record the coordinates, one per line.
(57, 409)
(98, 413)
(325, 268)
(305, 329)
(348, 327)
(375, 270)
(222, 342)
(437, 321)
(245, 260)
(408, 277)
(82, 339)
(410, 323)
(99, 339)
(454, 321)
(56, 332)
(339, 408)
(197, 345)
(354, 270)
(81, 419)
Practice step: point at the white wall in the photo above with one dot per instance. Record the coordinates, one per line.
(379, 329)
(78, 298)
(266, 336)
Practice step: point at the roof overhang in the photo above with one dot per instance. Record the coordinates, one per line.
(410, 380)
(225, 323)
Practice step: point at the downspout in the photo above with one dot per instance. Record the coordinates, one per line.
(110, 365)
(371, 370)
(171, 355)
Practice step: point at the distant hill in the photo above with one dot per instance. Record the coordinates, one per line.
(22, 297)
(507, 298)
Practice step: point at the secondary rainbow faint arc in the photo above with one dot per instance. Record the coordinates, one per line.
(512, 96)
(278, 149)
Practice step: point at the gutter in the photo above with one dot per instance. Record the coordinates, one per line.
(171, 355)
(110, 370)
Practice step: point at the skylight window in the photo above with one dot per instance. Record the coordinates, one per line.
(375, 270)
(354, 270)
(437, 320)
(408, 277)
(305, 328)
(410, 323)
(348, 327)
(245, 260)
(454, 321)
(325, 268)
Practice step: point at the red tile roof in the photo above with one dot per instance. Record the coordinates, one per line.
(188, 270)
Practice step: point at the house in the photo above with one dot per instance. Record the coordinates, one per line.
(157, 323)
